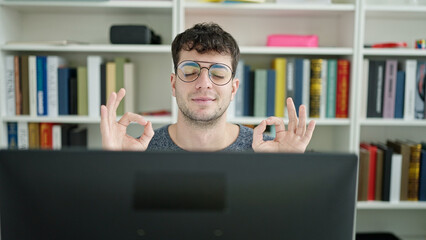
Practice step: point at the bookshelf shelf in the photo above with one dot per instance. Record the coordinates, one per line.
(319, 122)
(79, 119)
(395, 52)
(122, 48)
(161, 7)
(392, 122)
(334, 51)
(388, 205)
(400, 11)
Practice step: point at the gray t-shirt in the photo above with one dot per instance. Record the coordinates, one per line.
(162, 141)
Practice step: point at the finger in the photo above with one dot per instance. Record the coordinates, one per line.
(129, 117)
(301, 127)
(308, 135)
(147, 135)
(278, 122)
(104, 121)
(120, 95)
(258, 134)
(110, 106)
(292, 116)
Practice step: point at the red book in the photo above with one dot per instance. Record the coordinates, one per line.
(372, 174)
(46, 135)
(342, 88)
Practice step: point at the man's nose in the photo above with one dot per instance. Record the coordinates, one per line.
(204, 79)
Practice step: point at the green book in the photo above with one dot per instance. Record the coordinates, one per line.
(119, 81)
(260, 88)
(331, 88)
(82, 107)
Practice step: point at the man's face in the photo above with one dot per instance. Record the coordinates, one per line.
(201, 100)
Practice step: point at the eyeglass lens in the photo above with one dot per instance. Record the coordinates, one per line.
(219, 74)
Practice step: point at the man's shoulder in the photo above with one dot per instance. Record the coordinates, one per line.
(161, 140)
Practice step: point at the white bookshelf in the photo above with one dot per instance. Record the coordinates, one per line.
(343, 29)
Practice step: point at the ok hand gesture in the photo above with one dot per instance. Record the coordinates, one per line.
(295, 139)
(114, 136)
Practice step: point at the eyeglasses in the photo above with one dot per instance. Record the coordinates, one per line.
(219, 73)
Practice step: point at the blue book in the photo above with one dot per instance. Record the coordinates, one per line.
(270, 93)
(248, 87)
(41, 73)
(399, 94)
(298, 85)
(12, 135)
(422, 176)
(63, 91)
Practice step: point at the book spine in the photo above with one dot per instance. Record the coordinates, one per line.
(306, 85)
(12, 135)
(422, 176)
(56, 137)
(94, 85)
(248, 86)
(410, 68)
(119, 81)
(323, 98)
(33, 135)
(53, 64)
(375, 89)
(364, 89)
(73, 104)
(315, 90)
(18, 90)
(22, 135)
(342, 86)
(25, 85)
(63, 91)
(10, 86)
(239, 96)
(413, 176)
(46, 135)
(280, 65)
(270, 94)
(82, 94)
(32, 79)
(395, 190)
(129, 80)
(419, 103)
(389, 89)
(331, 88)
(41, 86)
(110, 78)
(290, 81)
(260, 87)
(298, 87)
(399, 95)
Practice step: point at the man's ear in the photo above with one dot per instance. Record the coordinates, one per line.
(173, 83)
(235, 84)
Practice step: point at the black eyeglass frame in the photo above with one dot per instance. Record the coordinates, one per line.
(208, 70)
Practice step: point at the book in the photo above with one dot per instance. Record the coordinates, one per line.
(260, 88)
(290, 81)
(378, 191)
(94, 85)
(10, 86)
(375, 89)
(323, 97)
(103, 100)
(306, 85)
(396, 169)
(12, 135)
(387, 171)
(371, 196)
(32, 84)
(110, 79)
(413, 176)
(18, 90)
(53, 64)
(419, 103)
(23, 142)
(33, 135)
(56, 137)
(422, 175)
(65, 134)
(25, 85)
(248, 90)
(78, 137)
(270, 93)
(331, 88)
(342, 88)
(82, 94)
(119, 81)
(363, 174)
(72, 91)
(399, 95)
(298, 85)
(63, 91)
(315, 88)
(46, 135)
(364, 89)
(41, 75)
(410, 68)
(239, 96)
(389, 91)
(129, 82)
(280, 65)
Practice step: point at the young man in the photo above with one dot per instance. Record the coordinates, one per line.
(205, 58)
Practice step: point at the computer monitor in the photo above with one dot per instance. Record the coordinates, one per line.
(185, 195)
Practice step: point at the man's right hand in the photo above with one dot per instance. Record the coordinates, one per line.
(114, 136)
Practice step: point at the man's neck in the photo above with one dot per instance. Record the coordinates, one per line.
(196, 137)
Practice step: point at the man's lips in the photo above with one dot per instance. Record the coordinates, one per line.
(203, 100)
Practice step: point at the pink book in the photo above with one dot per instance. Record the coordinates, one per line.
(389, 89)
(290, 40)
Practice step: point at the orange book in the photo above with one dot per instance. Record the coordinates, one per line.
(46, 135)
(371, 195)
(342, 88)
(18, 92)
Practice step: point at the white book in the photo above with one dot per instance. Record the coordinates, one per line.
(306, 84)
(239, 96)
(10, 86)
(290, 82)
(323, 97)
(364, 89)
(410, 67)
(52, 65)
(395, 184)
(56, 137)
(94, 85)
(23, 135)
(32, 87)
(129, 85)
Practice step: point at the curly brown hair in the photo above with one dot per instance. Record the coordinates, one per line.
(206, 37)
